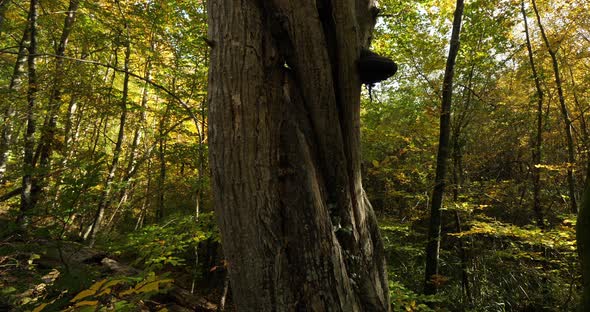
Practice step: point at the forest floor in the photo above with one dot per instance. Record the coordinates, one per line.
(44, 275)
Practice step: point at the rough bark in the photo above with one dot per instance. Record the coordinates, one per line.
(537, 157)
(571, 153)
(284, 96)
(434, 229)
(27, 200)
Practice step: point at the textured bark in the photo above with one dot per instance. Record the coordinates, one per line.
(537, 157)
(567, 121)
(434, 229)
(284, 96)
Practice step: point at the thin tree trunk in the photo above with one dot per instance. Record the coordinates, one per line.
(3, 8)
(14, 92)
(579, 107)
(160, 212)
(434, 230)
(224, 293)
(105, 196)
(146, 198)
(202, 165)
(27, 200)
(457, 174)
(132, 161)
(565, 114)
(460, 121)
(71, 133)
(44, 148)
(537, 158)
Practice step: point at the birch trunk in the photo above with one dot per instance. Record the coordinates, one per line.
(16, 83)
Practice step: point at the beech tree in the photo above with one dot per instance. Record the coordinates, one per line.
(298, 230)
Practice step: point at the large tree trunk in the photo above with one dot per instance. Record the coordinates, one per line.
(583, 241)
(434, 229)
(284, 95)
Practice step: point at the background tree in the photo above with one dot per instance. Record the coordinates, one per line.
(433, 246)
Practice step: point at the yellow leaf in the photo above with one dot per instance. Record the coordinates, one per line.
(104, 292)
(150, 278)
(83, 294)
(375, 163)
(97, 285)
(127, 292)
(113, 283)
(86, 303)
(39, 308)
(152, 286)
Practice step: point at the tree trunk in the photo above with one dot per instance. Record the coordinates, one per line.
(105, 196)
(27, 200)
(132, 160)
(434, 229)
(3, 8)
(565, 114)
(44, 148)
(583, 242)
(539, 133)
(284, 97)
(71, 132)
(162, 160)
(14, 89)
